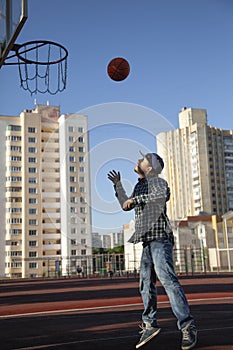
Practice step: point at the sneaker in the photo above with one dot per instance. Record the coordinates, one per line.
(148, 332)
(189, 337)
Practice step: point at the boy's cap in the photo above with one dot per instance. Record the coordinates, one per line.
(155, 161)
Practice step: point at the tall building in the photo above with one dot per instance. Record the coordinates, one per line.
(198, 166)
(132, 251)
(46, 219)
(117, 239)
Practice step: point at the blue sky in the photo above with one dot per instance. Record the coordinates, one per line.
(180, 53)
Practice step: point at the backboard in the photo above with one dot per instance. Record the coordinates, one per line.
(13, 15)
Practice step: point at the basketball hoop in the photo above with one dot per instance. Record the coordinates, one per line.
(38, 61)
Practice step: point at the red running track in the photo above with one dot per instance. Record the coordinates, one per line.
(103, 313)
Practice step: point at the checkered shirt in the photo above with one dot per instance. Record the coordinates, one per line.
(149, 202)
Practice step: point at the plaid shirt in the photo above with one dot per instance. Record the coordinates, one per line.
(149, 202)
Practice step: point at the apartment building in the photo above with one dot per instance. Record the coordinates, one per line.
(45, 219)
(132, 252)
(198, 166)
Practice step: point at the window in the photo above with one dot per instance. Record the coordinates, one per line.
(32, 211)
(71, 129)
(13, 138)
(83, 252)
(32, 232)
(32, 222)
(81, 179)
(80, 129)
(31, 139)
(14, 210)
(32, 150)
(71, 139)
(14, 159)
(32, 265)
(81, 169)
(72, 169)
(32, 170)
(32, 254)
(31, 160)
(16, 265)
(81, 149)
(32, 243)
(32, 200)
(14, 168)
(71, 149)
(81, 139)
(14, 148)
(72, 159)
(72, 179)
(16, 253)
(13, 189)
(83, 241)
(14, 221)
(13, 127)
(32, 180)
(32, 190)
(31, 129)
(73, 252)
(72, 189)
(15, 231)
(14, 178)
(81, 159)
(73, 220)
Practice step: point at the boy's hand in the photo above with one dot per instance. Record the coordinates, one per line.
(114, 176)
(127, 205)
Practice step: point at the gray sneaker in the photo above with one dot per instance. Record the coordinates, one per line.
(148, 332)
(189, 337)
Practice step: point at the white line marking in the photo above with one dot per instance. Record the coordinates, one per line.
(102, 307)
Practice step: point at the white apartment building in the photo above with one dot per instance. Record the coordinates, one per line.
(116, 239)
(45, 217)
(198, 166)
(132, 251)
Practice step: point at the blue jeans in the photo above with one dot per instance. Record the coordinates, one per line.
(157, 261)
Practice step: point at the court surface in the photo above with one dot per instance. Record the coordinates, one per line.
(103, 314)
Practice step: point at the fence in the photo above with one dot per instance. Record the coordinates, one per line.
(187, 261)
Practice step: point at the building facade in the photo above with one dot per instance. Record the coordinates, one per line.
(132, 251)
(46, 220)
(198, 166)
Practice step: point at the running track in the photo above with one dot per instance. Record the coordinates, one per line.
(88, 314)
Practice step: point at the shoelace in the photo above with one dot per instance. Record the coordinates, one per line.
(143, 328)
(186, 332)
(186, 335)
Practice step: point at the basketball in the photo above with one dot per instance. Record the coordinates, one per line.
(118, 69)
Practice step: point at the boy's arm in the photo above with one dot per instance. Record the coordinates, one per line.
(120, 193)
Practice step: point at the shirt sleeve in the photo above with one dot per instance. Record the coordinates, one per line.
(120, 193)
(157, 193)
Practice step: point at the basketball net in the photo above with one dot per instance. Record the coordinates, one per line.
(38, 62)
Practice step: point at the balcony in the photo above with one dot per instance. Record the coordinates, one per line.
(51, 246)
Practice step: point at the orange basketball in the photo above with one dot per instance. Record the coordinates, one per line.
(118, 69)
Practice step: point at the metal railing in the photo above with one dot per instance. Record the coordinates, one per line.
(187, 261)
